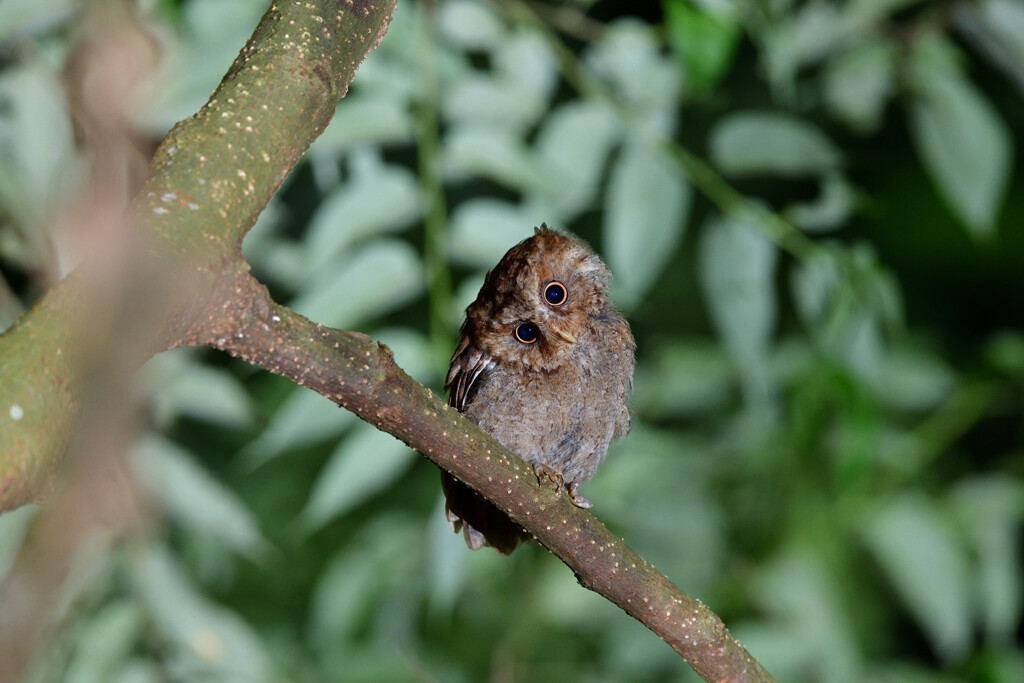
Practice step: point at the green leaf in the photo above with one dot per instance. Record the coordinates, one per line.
(704, 42)
(560, 602)
(737, 267)
(365, 463)
(491, 101)
(213, 640)
(774, 645)
(378, 198)
(791, 361)
(796, 588)
(343, 591)
(805, 36)
(13, 527)
(687, 378)
(283, 261)
(628, 55)
(138, 670)
(21, 241)
(514, 95)
(195, 498)
(964, 144)
(771, 143)
(36, 135)
(365, 119)
(105, 642)
(469, 25)
(829, 211)
(628, 653)
(913, 379)
(654, 486)
(816, 282)
(1005, 352)
(903, 672)
(204, 393)
(305, 418)
(383, 556)
(483, 229)
(1005, 665)
(526, 63)
(264, 237)
(997, 29)
(368, 283)
(573, 143)
(494, 153)
(207, 20)
(859, 84)
(848, 327)
(927, 566)
(991, 509)
(646, 207)
(31, 16)
(446, 561)
(855, 337)
(391, 71)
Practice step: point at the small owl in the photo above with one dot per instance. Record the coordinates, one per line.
(544, 364)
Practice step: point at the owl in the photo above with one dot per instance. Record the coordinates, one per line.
(544, 364)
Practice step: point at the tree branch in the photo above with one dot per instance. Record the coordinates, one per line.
(360, 375)
(209, 180)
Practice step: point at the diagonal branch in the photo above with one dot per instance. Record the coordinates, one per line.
(210, 178)
(360, 375)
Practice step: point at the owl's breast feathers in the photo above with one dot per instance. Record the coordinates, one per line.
(563, 418)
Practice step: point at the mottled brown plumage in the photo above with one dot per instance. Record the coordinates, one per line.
(545, 365)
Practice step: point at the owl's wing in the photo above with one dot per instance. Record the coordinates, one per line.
(467, 364)
(480, 522)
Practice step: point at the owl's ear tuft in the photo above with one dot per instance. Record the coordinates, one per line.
(542, 228)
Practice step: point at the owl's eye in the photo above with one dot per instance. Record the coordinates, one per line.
(555, 293)
(526, 333)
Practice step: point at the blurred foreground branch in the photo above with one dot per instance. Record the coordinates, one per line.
(209, 180)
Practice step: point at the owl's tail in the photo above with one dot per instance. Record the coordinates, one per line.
(480, 522)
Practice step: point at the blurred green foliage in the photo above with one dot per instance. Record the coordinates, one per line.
(827, 447)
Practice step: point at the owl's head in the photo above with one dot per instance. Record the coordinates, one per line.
(537, 306)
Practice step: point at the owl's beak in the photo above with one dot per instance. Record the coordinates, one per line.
(567, 336)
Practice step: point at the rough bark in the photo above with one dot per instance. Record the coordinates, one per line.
(210, 178)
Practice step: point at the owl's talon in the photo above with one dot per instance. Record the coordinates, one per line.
(543, 472)
(577, 498)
